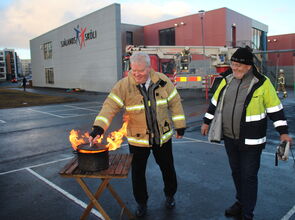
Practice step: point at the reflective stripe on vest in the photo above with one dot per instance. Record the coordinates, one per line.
(178, 118)
(104, 119)
(209, 116)
(213, 101)
(255, 117)
(274, 109)
(134, 107)
(255, 141)
(139, 107)
(116, 99)
(161, 102)
(166, 136)
(138, 141)
(171, 96)
(280, 123)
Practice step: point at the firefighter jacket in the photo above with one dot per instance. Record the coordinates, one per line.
(261, 101)
(149, 120)
(281, 78)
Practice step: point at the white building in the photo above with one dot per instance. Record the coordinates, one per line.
(26, 67)
(85, 53)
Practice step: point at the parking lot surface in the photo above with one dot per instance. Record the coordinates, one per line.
(35, 147)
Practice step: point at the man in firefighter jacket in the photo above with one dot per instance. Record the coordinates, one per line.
(238, 114)
(147, 98)
(281, 83)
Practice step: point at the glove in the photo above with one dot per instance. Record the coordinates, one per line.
(96, 130)
(180, 131)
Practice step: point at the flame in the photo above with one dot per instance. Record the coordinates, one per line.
(76, 139)
(114, 139)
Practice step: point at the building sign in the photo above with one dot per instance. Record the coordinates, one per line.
(82, 35)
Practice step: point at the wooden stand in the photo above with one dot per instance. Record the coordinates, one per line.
(118, 168)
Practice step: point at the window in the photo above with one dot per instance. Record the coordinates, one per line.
(1, 58)
(167, 36)
(257, 39)
(49, 75)
(129, 38)
(47, 50)
(2, 70)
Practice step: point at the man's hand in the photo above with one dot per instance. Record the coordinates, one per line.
(179, 133)
(178, 136)
(97, 131)
(286, 137)
(93, 140)
(204, 129)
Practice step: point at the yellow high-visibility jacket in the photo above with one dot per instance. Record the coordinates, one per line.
(126, 95)
(261, 101)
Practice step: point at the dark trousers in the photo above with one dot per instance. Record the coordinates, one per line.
(164, 158)
(244, 164)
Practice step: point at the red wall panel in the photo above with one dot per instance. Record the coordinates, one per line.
(190, 33)
(281, 42)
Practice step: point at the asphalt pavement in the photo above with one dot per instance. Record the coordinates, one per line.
(35, 147)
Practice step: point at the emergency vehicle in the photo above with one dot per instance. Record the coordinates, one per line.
(174, 61)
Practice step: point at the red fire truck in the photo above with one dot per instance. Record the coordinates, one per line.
(174, 61)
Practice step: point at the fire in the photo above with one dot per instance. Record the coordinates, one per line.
(76, 139)
(114, 139)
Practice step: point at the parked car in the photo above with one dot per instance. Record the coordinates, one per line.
(14, 80)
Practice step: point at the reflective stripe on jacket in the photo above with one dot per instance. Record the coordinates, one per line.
(126, 95)
(260, 102)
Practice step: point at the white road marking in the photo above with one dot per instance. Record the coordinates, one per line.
(289, 214)
(207, 142)
(38, 165)
(46, 113)
(76, 107)
(63, 115)
(65, 193)
(3, 122)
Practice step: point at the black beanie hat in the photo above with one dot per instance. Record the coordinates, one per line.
(243, 55)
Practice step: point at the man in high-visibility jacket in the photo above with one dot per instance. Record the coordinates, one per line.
(238, 114)
(147, 98)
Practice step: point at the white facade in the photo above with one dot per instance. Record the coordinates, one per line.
(26, 67)
(85, 53)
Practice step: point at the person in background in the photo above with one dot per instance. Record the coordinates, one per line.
(281, 83)
(238, 114)
(24, 83)
(148, 98)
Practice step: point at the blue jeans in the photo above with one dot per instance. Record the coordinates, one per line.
(244, 164)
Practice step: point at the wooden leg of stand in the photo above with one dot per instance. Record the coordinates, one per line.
(121, 203)
(92, 199)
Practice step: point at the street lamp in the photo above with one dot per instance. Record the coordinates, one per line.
(202, 14)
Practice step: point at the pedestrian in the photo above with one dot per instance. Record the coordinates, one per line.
(281, 83)
(238, 114)
(148, 98)
(24, 83)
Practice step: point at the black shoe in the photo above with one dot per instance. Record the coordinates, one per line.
(234, 210)
(141, 210)
(170, 202)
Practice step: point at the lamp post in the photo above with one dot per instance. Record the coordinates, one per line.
(202, 14)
